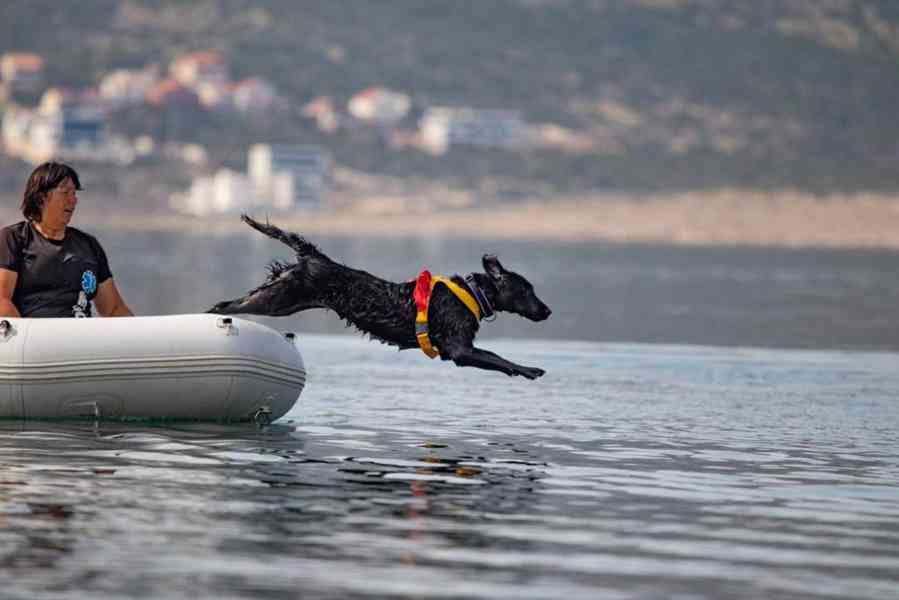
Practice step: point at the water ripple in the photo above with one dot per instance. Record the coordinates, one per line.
(669, 476)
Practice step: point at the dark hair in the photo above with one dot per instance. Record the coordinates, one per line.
(43, 179)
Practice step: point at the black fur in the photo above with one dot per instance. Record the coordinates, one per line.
(384, 309)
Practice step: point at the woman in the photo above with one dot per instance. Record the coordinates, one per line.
(48, 269)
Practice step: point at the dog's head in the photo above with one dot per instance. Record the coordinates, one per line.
(513, 293)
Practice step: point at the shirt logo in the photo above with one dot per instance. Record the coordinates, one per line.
(89, 282)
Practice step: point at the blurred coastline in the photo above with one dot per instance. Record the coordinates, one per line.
(724, 217)
(682, 122)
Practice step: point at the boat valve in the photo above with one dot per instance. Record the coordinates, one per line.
(263, 416)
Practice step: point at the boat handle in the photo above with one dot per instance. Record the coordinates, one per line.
(227, 323)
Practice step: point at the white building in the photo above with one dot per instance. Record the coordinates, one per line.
(322, 110)
(379, 105)
(22, 71)
(16, 127)
(442, 128)
(65, 122)
(289, 175)
(255, 95)
(66, 125)
(124, 87)
(198, 68)
(225, 192)
(233, 192)
(280, 178)
(213, 94)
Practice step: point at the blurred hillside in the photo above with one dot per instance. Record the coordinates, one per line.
(658, 94)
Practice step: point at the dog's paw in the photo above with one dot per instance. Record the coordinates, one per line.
(532, 372)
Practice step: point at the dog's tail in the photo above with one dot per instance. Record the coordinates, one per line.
(294, 241)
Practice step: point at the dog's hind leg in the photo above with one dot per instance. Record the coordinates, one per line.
(287, 291)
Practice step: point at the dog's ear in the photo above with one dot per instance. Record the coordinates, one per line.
(492, 266)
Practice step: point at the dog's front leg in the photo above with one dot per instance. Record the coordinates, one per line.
(484, 359)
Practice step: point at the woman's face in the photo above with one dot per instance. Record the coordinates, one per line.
(59, 205)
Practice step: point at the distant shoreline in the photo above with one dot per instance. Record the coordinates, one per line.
(722, 217)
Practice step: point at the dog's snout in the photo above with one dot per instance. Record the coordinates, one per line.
(542, 313)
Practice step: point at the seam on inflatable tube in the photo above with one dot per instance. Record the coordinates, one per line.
(179, 366)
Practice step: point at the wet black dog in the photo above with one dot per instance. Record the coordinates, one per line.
(387, 310)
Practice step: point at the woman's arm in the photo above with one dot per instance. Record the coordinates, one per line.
(109, 302)
(8, 281)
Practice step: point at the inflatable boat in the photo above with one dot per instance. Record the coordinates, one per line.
(196, 367)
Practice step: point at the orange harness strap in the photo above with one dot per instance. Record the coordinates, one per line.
(424, 286)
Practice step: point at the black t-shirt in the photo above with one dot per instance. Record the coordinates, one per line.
(57, 278)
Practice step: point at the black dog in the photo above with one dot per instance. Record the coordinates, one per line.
(387, 310)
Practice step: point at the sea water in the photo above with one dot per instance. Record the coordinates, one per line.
(628, 471)
(747, 447)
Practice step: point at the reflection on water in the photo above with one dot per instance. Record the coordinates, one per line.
(629, 471)
(598, 292)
